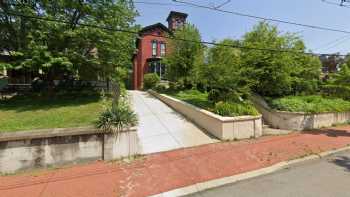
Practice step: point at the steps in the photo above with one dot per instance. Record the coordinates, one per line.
(267, 130)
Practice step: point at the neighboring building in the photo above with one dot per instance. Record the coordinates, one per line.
(331, 63)
(152, 48)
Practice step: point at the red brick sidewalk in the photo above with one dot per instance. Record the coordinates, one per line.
(169, 170)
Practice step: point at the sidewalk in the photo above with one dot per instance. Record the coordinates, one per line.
(165, 171)
(161, 128)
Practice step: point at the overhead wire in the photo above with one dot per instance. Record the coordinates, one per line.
(261, 17)
(32, 17)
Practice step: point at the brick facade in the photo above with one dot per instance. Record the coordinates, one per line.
(152, 47)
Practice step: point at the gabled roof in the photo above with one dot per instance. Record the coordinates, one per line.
(154, 26)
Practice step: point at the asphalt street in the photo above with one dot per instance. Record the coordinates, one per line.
(327, 177)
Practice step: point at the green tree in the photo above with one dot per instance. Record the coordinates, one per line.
(51, 46)
(338, 83)
(184, 56)
(222, 73)
(279, 73)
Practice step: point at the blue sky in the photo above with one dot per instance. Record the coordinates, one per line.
(215, 25)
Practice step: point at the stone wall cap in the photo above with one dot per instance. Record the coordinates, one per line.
(49, 133)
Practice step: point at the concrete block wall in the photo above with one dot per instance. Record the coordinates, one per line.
(40, 149)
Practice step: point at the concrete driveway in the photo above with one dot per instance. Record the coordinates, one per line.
(161, 128)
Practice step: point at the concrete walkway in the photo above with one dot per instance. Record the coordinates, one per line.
(161, 172)
(161, 128)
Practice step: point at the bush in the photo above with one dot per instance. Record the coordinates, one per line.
(235, 109)
(39, 85)
(175, 86)
(150, 81)
(340, 91)
(116, 118)
(310, 104)
(225, 95)
(161, 88)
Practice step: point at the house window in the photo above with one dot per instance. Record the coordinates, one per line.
(178, 23)
(154, 48)
(162, 49)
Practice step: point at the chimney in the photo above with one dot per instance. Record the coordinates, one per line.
(176, 20)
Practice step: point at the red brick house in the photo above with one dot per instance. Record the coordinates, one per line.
(152, 48)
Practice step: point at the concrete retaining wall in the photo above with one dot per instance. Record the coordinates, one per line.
(298, 121)
(224, 128)
(45, 148)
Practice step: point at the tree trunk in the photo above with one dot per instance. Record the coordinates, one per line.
(50, 84)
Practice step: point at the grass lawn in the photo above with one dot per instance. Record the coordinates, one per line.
(27, 113)
(195, 98)
(310, 104)
(200, 100)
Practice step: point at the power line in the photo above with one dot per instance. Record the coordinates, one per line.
(338, 43)
(340, 39)
(223, 4)
(167, 37)
(262, 18)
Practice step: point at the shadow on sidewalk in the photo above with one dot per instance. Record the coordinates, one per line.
(329, 132)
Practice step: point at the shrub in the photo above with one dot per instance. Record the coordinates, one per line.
(116, 118)
(175, 86)
(39, 85)
(235, 109)
(150, 80)
(214, 95)
(226, 95)
(161, 88)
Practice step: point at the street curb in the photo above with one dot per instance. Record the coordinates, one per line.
(198, 187)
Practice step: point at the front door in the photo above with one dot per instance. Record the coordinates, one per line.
(158, 68)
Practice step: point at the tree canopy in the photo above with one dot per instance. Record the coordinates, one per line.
(222, 72)
(185, 56)
(84, 51)
(279, 73)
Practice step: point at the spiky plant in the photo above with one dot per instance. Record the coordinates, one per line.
(117, 118)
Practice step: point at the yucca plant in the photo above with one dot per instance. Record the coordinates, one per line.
(117, 118)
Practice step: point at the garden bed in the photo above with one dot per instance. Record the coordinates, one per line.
(224, 128)
(303, 112)
(200, 99)
(309, 104)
